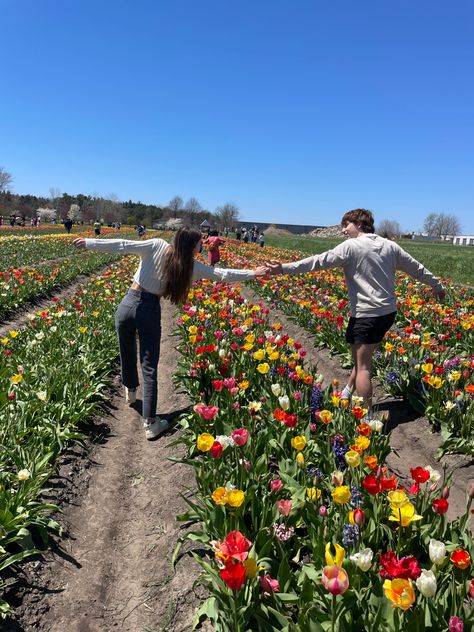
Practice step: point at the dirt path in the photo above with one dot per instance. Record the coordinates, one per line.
(112, 570)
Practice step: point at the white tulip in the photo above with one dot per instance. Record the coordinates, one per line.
(434, 474)
(426, 583)
(276, 389)
(284, 402)
(363, 559)
(437, 552)
(24, 475)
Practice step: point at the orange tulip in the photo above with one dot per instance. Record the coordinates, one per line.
(400, 592)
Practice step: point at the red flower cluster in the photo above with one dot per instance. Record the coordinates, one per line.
(403, 568)
(232, 552)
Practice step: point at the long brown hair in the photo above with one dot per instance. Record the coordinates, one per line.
(179, 264)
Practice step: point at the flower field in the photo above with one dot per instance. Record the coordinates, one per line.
(304, 526)
(307, 527)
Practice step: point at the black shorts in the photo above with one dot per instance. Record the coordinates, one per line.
(368, 330)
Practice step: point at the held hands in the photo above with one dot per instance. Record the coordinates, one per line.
(273, 267)
(80, 243)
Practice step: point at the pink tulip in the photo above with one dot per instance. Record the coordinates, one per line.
(229, 382)
(323, 511)
(456, 625)
(335, 580)
(471, 589)
(276, 485)
(240, 436)
(269, 584)
(284, 507)
(206, 412)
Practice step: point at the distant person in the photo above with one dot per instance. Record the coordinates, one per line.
(68, 225)
(140, 230)
(212, 244)
(369, 263)
(238, 234)
(165, 271)
(261, 240)
(97, 227)
(245, 235)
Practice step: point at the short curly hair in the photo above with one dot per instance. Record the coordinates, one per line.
(361, 217)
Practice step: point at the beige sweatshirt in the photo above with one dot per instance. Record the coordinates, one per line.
(151, 273)
(369, 263)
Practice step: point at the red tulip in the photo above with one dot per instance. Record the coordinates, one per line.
(440, 505)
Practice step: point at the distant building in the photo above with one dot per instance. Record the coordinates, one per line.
(463, 240)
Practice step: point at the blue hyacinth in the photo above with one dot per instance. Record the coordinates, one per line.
(350, 534)
(316, 401)
(357, 498)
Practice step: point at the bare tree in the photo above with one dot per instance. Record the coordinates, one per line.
(192, 208)
(6, 179)
(389, 228)
(227, 215)
(175, 204)
(54, 195)
(440, 225)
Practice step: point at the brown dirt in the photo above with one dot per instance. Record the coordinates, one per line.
(112, 570)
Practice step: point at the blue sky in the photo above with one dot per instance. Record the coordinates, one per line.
(295, 111)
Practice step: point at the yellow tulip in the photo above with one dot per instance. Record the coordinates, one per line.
(205, 441)
(352, 458)
(397, 498)
(263, 368)
(341, 494)
(298, 443)
(339, 557)
(405, 514)
(259, 355)
(16, 379)
(235, 497)
(313, 493)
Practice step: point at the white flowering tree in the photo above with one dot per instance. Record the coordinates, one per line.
(46, 214)
(75, 213)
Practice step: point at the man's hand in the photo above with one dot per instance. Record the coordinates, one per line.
(439, 295)
(80, 243)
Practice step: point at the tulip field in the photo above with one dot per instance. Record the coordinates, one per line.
(303, 526)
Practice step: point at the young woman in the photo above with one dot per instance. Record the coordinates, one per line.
(165, 271)
(369, 263)
(212, 243)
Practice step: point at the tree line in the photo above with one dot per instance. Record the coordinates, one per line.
(110, 209)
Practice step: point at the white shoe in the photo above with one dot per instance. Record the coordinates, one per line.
(130, 395)
(154, 428)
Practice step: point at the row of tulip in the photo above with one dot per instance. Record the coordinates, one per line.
(427, 356)
(306, 527)
(44, 397)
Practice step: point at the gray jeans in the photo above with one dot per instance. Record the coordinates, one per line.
(140, 313)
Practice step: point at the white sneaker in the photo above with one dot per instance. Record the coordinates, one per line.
(154, 428)
(130, 395)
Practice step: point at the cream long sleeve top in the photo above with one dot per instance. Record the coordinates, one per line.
(151, 273)
(369, 263)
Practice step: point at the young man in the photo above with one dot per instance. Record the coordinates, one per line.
(369, 263)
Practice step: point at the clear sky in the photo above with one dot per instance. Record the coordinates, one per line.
(295, 111)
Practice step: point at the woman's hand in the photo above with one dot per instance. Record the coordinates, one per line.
(274, 267)
(80, 243)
